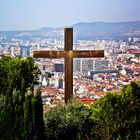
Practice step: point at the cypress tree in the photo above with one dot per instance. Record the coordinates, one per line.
(28, 118)
(18, 108)
(38, 124)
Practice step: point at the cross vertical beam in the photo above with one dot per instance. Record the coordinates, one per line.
(68, 64)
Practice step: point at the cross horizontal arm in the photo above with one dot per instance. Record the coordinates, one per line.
(70, 54)
(88, 53)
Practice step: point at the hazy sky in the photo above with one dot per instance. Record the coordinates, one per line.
(33, 14)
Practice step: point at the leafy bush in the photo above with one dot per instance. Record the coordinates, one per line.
(112, 117)
(118, 116)
(67, 122)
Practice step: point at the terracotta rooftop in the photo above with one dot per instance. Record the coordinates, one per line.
(87, 101)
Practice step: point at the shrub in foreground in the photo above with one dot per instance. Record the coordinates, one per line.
(67, 122)
(118, 116)
(112, 117)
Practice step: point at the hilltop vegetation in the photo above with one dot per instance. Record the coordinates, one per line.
(21, 112)
(110, 118)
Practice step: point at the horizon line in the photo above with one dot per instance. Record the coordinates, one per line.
(20, 30)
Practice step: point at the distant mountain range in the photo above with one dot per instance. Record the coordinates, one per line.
(83, 31)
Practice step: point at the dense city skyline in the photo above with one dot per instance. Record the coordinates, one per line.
(33, 14)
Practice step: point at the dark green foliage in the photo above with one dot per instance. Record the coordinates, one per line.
(118, 116)
(33, 117)
(28, 124)
(113, 117)
(21, 120)
(68, 122)
(6, 121)
(15, 70)
(21, 111)
(38, 124)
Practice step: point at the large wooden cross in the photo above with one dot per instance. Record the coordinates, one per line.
(68, 54)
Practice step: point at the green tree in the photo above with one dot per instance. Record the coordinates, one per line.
(19, 105)
(117, 116)
(28, 124)
(67, 122)
(15, 70)
(37, 110)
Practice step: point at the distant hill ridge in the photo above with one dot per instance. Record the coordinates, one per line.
(86, 31)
